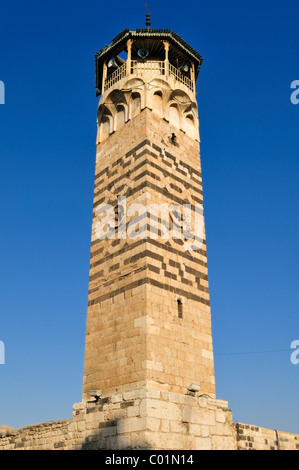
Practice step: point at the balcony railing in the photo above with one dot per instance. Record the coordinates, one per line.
(117, 75)
(180, 77)
(139, 68)
(156, 66)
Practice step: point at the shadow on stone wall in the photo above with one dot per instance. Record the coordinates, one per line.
(109, 424)
(104, 439)
(108, 438)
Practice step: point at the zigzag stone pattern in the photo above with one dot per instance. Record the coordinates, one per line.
(131, 279)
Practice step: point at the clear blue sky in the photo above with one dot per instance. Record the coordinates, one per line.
(250, 141)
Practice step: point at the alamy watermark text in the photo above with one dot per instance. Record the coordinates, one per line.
(295, 353)
(2, 353)
(139, 221)
(2, 92)
(295, 94)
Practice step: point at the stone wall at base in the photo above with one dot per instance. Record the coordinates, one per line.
(148, 419)
(54, 435)
(257, 438)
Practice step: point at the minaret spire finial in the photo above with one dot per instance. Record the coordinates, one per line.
(148, 18)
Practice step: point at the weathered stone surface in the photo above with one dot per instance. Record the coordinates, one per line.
(6, 430)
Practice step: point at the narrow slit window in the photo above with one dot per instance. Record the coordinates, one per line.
(180, 309)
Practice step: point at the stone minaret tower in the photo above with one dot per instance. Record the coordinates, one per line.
(148, 321)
